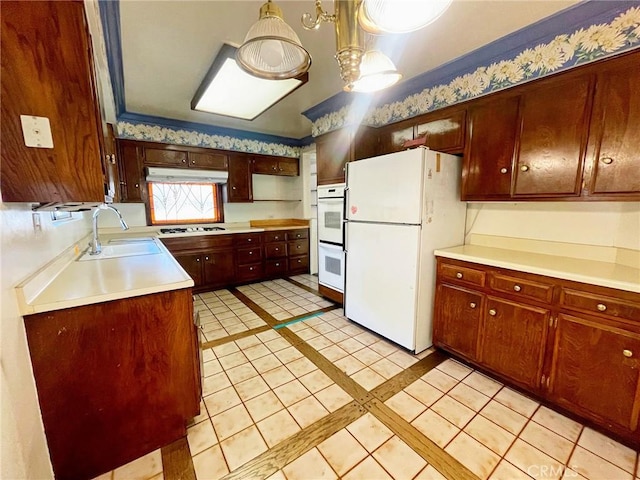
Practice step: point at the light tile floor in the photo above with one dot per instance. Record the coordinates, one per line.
(260, 390)
(310, 281)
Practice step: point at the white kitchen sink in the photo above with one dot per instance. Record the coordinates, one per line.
(124, 248)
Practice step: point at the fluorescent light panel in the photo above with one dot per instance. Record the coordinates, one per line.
(228, 90)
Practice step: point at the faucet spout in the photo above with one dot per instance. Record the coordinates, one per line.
(94, 246)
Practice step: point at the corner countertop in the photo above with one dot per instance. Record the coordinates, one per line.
(67, 282)
(605, 274)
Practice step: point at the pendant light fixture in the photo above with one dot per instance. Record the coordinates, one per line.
(271, 49)
(399, 16)
(377, 72)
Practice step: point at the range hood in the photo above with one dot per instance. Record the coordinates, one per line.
(184, 175)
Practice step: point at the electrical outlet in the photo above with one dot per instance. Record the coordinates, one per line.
(36, 131)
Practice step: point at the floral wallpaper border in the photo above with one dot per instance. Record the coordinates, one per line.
(564, 51)
(177, 136)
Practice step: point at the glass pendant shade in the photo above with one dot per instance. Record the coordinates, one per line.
(399, 16)
(377, 72)
(271, 49)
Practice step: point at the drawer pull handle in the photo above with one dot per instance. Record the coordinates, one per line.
(197, 259)
(524, 168)
(249, 239)
(277, 264)
(492, 312)
(297, 246)
(627, 353)
(250, 253)
(251, 268)
(193, 162)
(137, 185)
(601, 307)
(503, 170)
(206, 258)
(184, 161)
(472, 305)
(458, 275)
(607, 160)
(277, 249)
(516, 288)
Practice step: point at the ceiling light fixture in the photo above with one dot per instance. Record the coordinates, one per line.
(276, 53)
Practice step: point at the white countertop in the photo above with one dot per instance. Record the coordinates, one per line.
(605, 274)
(67, 282)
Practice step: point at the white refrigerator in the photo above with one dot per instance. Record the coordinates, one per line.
(399, 208)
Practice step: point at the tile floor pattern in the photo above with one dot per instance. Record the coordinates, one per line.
(222, 314)
(282, 299)
(310, 281)
(259, 390)
(500, 434)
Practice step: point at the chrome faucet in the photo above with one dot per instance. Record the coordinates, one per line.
(94, 246)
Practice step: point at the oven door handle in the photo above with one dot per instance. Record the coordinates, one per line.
(344, 215)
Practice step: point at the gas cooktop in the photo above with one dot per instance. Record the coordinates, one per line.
(190, 229)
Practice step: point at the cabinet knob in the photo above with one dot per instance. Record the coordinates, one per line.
(627, 353)
(137, 185)
(206, 258)
(472, 305)
(277, 249)
(516, 288)
(273, 168)
(251, 268)
(193, 162)
(250, 253)
(277, 264)
(299, 261)
(249, 239)
(297, 246)
(184, 161)
(503, 170)
(524, 168)
(459, 275)
(492, 312)
(233, 188)
(197, 259)
(601, 307)
(607, 160)
(280, 169)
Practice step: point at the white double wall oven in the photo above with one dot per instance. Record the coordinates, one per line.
(331, 258)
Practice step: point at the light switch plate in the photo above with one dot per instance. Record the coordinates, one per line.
(36, 131)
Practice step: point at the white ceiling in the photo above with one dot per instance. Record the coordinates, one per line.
(168, 46)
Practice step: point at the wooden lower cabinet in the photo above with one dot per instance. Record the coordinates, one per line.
(596, 371)
(218, 268)
(192, 264)
(572, 344)
(512, 340)
(459, 314)
(115, 380)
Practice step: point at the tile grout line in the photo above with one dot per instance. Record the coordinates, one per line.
(235, 336)
(302, 285)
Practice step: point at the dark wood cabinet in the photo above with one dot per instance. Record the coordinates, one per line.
(489, 149)
(165, 158)
(333, 151)
(266, 165)
(512, 341)
(192, 264)
(554, 124)
(394, 136)
(459, 313)
(248, 258)
(125, 380)
(239, 186)
(574, 344)
(218, 268)
(443, 131)
(615, 132)
(209, 161)
(132, 180)
(47, 71)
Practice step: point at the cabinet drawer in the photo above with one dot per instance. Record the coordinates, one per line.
(277, 236)
(246, 256)
(275, 250)
(460, 274)
(521, 288)
(200, 242)
(246, 273)
(276, 268)
(600, 304)
(300, 247)
(297, 234)
(299, 263)
(247, 238)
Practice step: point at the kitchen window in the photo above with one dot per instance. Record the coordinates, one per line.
(172, 203)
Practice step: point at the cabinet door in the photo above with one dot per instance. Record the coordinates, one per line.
(554, 128)
(596, 370)
(490, 144)
(264, 165)
(133, 185)
(512, 341)
(366, 143)
(443, 132)
(333, 151)
(47, 72)
(239, 185)
(289, 167)
(392, 137)
(615, 132)
(457, 319)
(162, 157)
(192, 264)
(219, 268)
(212, 161)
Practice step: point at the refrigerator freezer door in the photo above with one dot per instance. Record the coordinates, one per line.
(387, 188)
(381, 279)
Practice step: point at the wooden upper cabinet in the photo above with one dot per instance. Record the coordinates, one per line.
(239, 184)
(443, 131)
(269, 165)
(132, 182)
(47, 72)
(596, 370)
(490, 144)
(333, 151)
(615, 131)
(393, 137)
(164, 157)
(553, 132)
(366, 143)
(211, 161)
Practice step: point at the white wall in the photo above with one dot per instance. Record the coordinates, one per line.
(612, 224)
(24, 451)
